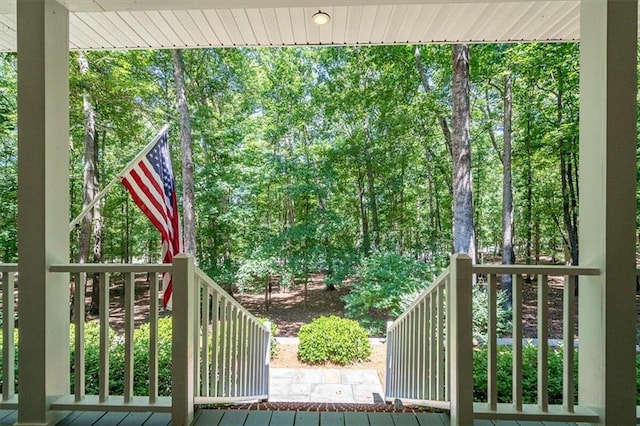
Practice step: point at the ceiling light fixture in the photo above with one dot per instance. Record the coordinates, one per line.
(321, 18)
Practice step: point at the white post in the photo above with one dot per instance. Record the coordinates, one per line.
(459, 318)
(608, 87)
(43, 206)
(184, 305)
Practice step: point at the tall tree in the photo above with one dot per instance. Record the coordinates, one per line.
(463, 224)
(508, 256)
(93, 219)
(188, 209)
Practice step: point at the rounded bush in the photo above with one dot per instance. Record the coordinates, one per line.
(334, 339)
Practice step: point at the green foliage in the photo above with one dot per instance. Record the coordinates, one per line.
(529, 372)
(15, 354)
(274, 345)
(116, 359)
(384, 281)
(481, 313)
(254, 273)
(333, 339)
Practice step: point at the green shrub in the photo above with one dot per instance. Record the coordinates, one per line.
(480, 299)
(529, 374)
(116, 359)
(274, 345)
(338, 340)
(384, 281)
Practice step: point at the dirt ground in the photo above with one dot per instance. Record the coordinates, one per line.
(291, 309)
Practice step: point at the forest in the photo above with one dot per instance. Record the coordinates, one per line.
(307, 160)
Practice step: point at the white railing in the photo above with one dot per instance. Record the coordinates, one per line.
(416, 355)
(219, 351)
(232, 349)
(429, 347)
(8, 274)
(542, 409)
(133, 276)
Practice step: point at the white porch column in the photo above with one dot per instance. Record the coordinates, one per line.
(43, 206)
(608, 35)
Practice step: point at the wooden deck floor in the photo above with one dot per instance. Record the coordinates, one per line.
(265, 418)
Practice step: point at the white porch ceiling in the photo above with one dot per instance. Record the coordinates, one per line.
(133, 24)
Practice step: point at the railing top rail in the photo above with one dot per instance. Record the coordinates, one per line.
(112, 267)
(436, 283)
(535, 269)
(8, 267)
(204, 277)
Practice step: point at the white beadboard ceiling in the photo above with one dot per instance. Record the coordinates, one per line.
(134, 24)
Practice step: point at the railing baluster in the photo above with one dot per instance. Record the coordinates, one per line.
(543, 343)
(240, 354)
(129, 296)
(568, 313)
(421, 347)
(492, 347)
(215, 333)
(79, 279)
(232, 348)
(267, 356)
(404, 356)
(8, 345)
(103, 379)
(205, 297)
(517, 341)
(388, 370)
(197, 319)
(443, 375)
(433, 347)
(245, 357)
(222, 372)
(233, 358)
(228, 350)
(153, 337)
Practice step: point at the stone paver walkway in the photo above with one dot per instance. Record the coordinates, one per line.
(324, 385)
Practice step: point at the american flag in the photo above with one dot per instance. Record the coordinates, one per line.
(152, 187)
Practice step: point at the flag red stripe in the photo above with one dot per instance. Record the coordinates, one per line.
(152, 187)
(153, 193)
(135, 194)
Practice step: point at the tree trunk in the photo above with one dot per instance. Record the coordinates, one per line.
(188, 211)
(371, 190)
(508, 256)
(569, 181)
(94, 308)
(463, 226)
(366, 242)
(89, 175)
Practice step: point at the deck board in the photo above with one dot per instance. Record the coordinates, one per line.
(87, 418)
(432, 419)
(264, 417)
(135, 419)
(380, 419)
(234, 418)
(158, 419)
(8, 417)
(356, 419)
(282, 418)
(331, 418)
(112, 418)
(404, 419)
(304, 418)
(258, 418)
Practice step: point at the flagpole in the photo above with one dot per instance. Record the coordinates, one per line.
(118, 177)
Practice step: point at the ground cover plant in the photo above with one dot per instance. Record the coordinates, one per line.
(333, 339)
